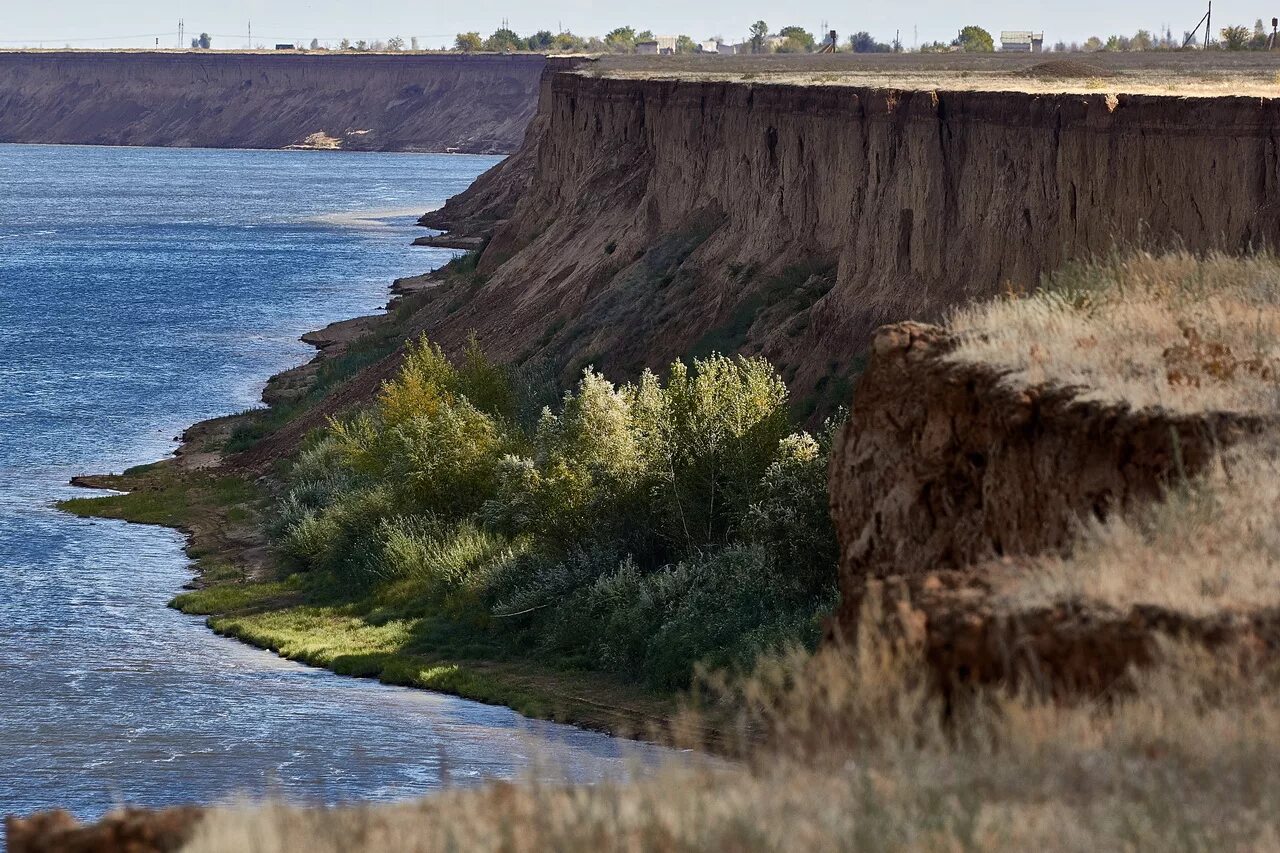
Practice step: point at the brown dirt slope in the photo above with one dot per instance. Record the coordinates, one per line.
(674, 216)
(376, 102)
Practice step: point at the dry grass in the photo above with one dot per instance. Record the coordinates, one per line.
(1174, 332)
(1213, 545)
(863, 761)
(1213, 74)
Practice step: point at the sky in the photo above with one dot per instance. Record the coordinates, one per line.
(138, 23)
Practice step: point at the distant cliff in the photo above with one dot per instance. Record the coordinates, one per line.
(477, 104)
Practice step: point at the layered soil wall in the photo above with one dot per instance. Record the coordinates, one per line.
(669, 216)
(947, 479)
(374, 102)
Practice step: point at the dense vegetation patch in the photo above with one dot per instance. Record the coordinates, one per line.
(640, 529)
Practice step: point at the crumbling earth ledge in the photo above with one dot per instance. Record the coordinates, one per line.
(948, 479)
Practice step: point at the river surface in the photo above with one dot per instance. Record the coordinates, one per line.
(142, 290)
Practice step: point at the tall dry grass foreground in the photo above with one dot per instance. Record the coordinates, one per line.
(861, 758)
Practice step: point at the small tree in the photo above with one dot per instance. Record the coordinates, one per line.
(1093, 44)
(974, 39)
(798, 40)
(567, 42)
(362, 45)
(504, 39)
(759, 32)
(685, 44)
(202, 43)
(315, 44)
(1259, 40)
(395, 43)
(345, 44)
(1235, 38)
(864, 42)
(468, 42)
(1141, 41)
(621, 39)
(541, 40)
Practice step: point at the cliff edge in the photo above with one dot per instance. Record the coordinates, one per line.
(668, 217)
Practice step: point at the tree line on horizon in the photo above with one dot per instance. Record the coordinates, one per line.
(787, 40)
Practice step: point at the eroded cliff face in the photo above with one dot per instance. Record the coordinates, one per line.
(947, 481)
(668, 217)
(470, 104)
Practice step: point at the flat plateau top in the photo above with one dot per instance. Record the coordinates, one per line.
(1215, 73)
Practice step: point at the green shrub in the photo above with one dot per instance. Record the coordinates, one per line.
(791, 515)
(640, 529)
(705, 439)
(725, 611)
(343, 537)
(585, 473)
(452, 562)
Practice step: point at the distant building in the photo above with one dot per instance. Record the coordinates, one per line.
(732, 49)
(664, 45)
(708, 46)
(1021, 41)
(286, 47)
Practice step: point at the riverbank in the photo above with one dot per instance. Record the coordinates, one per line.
(242, 591)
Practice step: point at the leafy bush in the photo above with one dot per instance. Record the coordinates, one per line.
(451, 562)
(706, 438)
(641, 528)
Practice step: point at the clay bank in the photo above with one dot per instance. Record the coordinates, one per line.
(214, 99)
(657, 211)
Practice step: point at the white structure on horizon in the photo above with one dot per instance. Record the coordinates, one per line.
(658, 44)
(1021, 41)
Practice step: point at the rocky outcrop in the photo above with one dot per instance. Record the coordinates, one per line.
(370, 102)
(946, 479)
(671, 216)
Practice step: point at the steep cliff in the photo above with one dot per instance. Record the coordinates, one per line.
(670, 216)
(373, 102)
(1045, 486)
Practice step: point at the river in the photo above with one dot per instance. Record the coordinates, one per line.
(142, 290)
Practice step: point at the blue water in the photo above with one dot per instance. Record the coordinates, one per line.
(140, 291)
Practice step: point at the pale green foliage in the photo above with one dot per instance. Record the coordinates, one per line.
(791, 516)
(451, 562)
(706, 437)
(586, 461)
(341, 537)
(639, 528)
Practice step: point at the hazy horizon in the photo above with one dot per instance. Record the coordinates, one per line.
(140, 23)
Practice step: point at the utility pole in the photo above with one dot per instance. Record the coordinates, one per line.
(1207, 20)
(251, 35)
(182, 33)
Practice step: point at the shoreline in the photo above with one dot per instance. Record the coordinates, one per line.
(240, 591)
